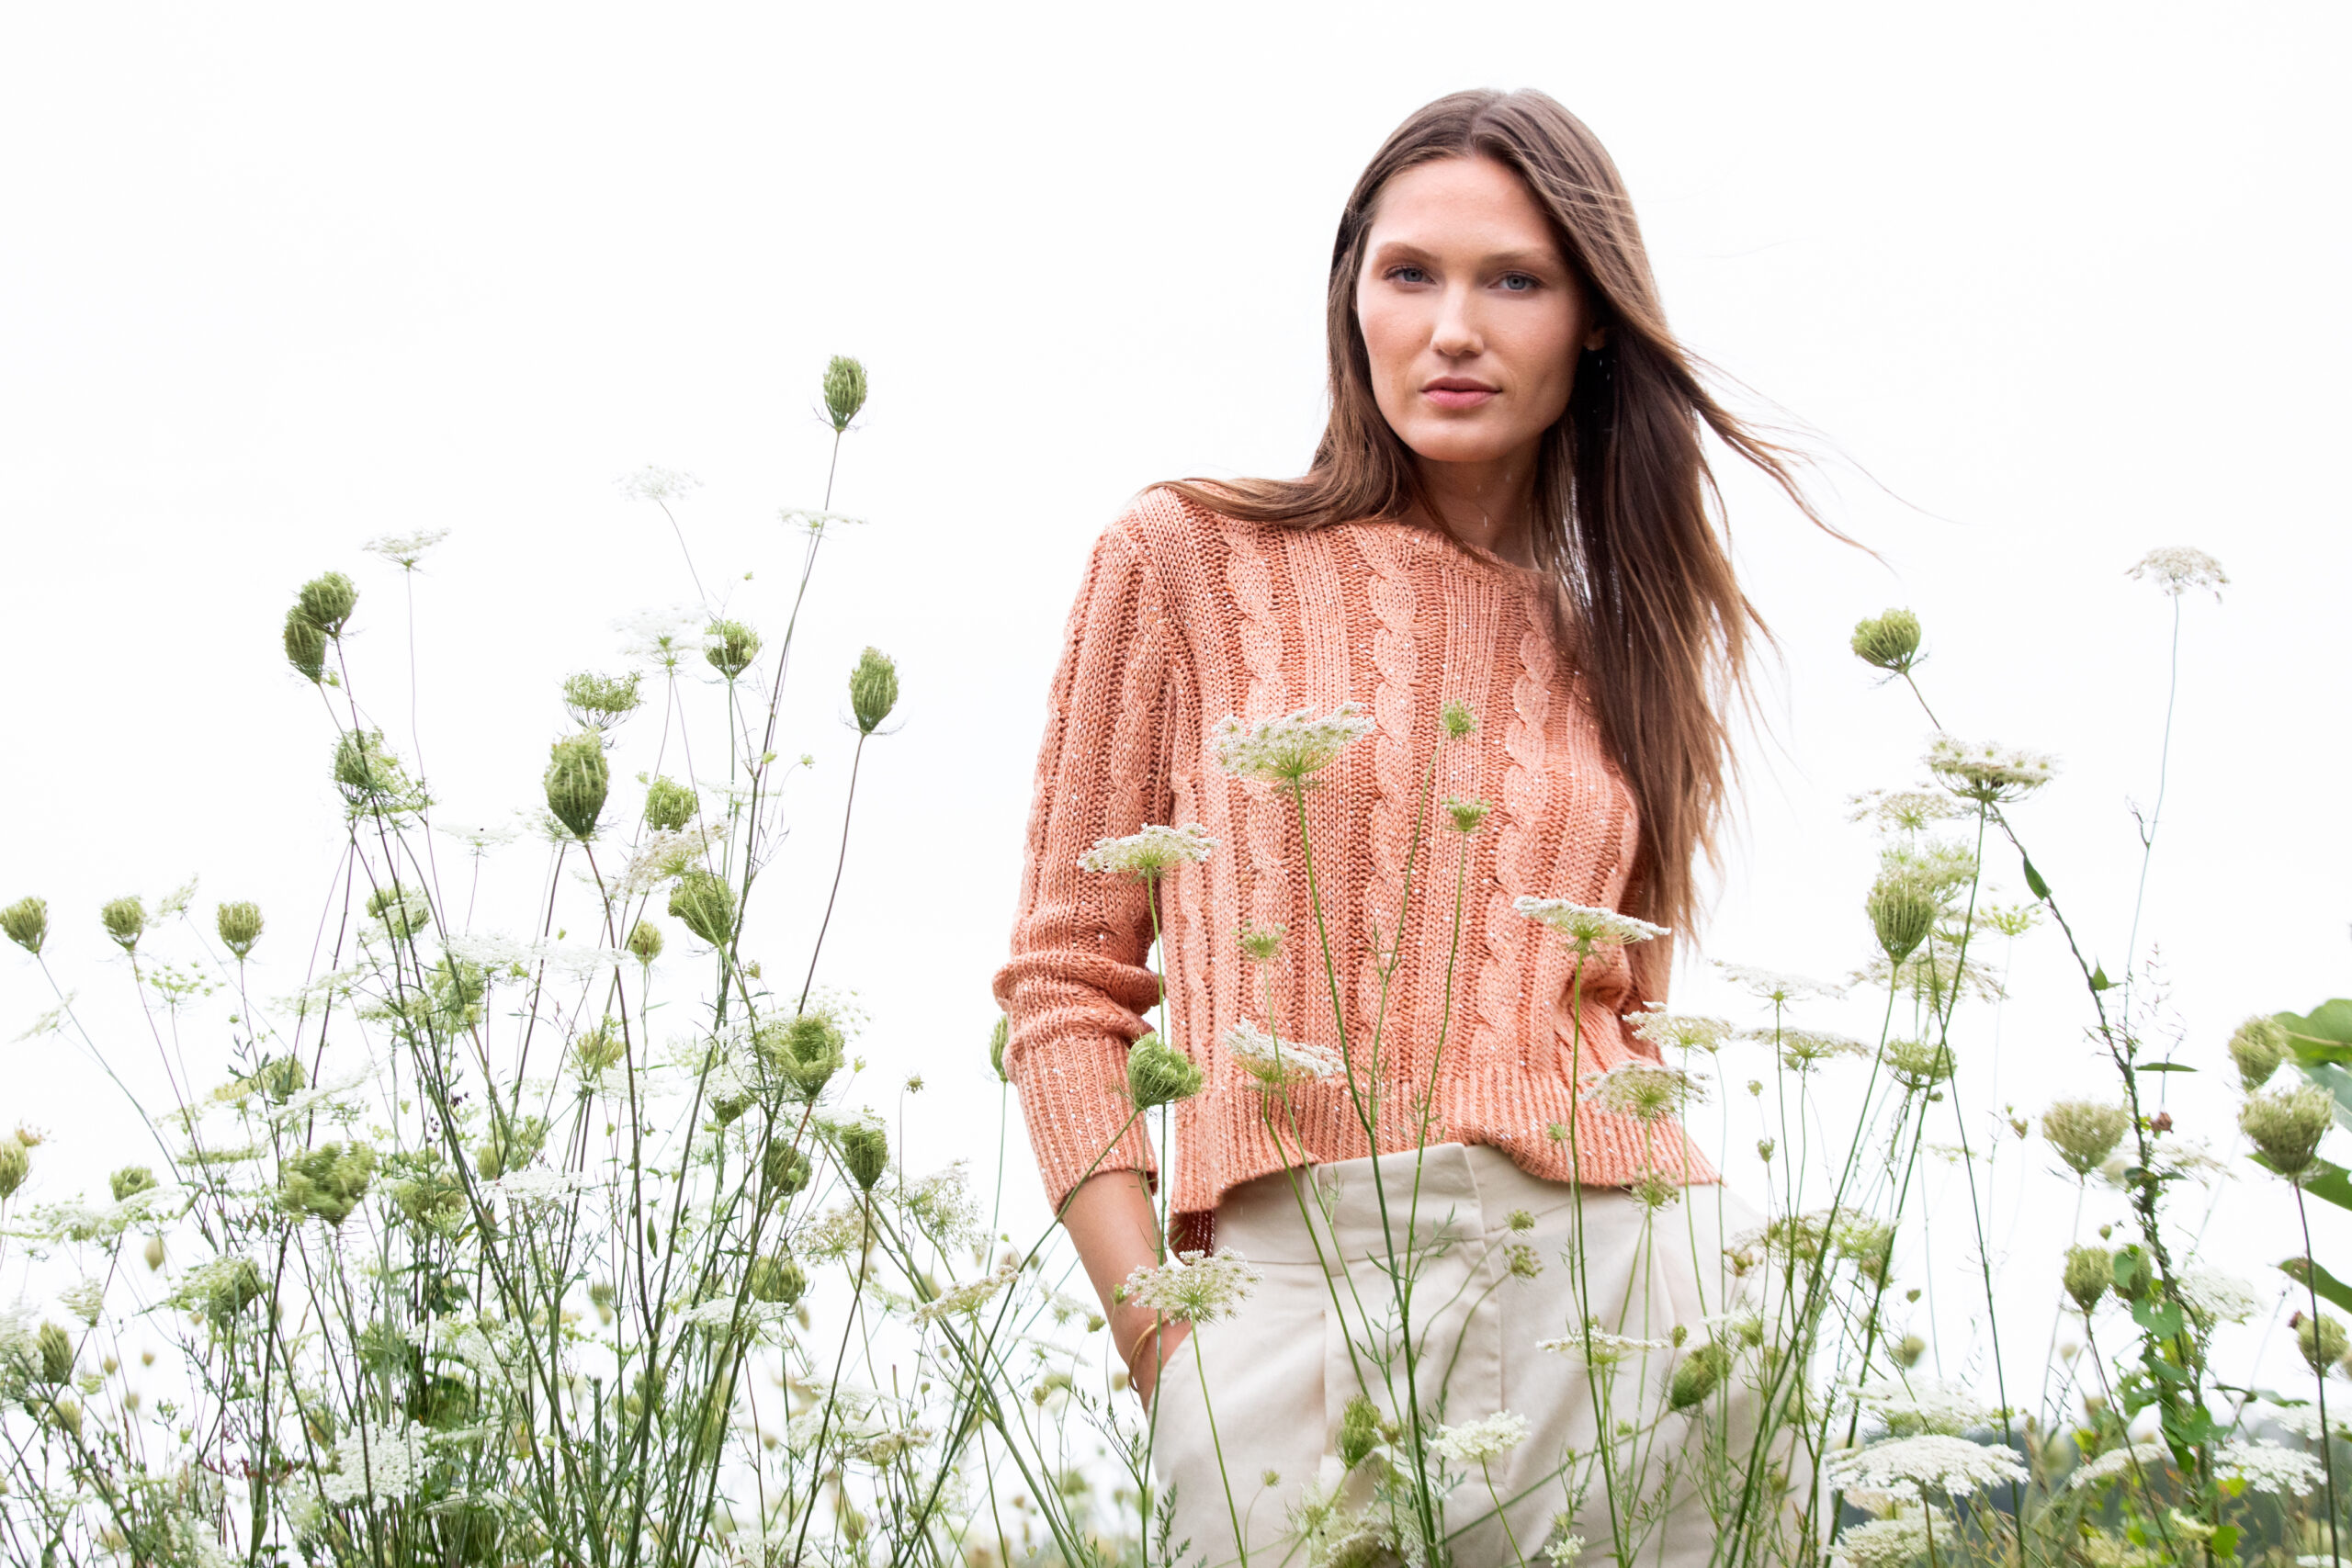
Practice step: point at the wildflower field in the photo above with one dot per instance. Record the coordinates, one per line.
(569, 1234)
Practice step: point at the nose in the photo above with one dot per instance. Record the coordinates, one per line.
(1455, 332)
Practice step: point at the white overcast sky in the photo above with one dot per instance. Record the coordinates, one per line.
(2059, 282)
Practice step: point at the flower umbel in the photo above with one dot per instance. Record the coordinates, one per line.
(1475, 1442)
(1288, 749)
(1645, 1090)
(1195, 1288)
(1987, 771)
(1276, 1062)
(1951, 1466)
(2177, 568)
(1585, 927)
(1148, 855)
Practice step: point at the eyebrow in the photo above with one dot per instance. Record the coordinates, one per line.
(1499, 258)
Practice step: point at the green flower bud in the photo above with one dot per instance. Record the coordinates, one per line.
(26, 921)
(845, 391)
(732, 648)
(1159, 1075)
(512, 1142)
(645, 940)
(402, 911)
(1907, 1353)
(1458, 718)
(2259, 1047)
(865, 1151)
(2286, 1124)
(598, 1050)
(806, 1050)
(599, 702)
(220, 1290)
(306, 645)
(240, 927)
(326, 1182)
(56, 1354)
(129, 1179)
(1466, 815)
(1903, 911)
(125, 922)
(279, 1079)
(670, 806)
(154, 1253)
(784, 1168)
(1000, 1036)
(2090, 1271)
(1700, 1373)
(365, 769)
(1358, 1431)
(2322, 1341)
(2084, 1132)
(707, 904)
(1889, 642)
(327, 601)
(16, 1164)
(778, 1280)
(576, 781)
(873, 690)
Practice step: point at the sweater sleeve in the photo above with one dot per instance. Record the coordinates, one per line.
(1077, 983)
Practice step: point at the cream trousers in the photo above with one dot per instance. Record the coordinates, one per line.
(1247, 1411)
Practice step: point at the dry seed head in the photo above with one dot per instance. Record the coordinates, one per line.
(2084, 1132)
(2090, 1270)
(845, 391)
(577, 781)
(732, 647)
(1903, 911)
(707, 904)
(1158, 1075)
(2259, 1047)
(25, 922)
(2322, 1341)
(784, 1168)
(306, 645)
(1889, 642)
(125, 919)
(806, 1049)
(2286, 1125)
(327, 601)
(669, 805)
(240, 927)
(873, 690)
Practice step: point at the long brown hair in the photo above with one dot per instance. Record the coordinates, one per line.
(1653, 610)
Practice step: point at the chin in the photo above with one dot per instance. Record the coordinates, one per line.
(1453, 444)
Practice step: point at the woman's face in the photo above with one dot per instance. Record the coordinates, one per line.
(1470, 315)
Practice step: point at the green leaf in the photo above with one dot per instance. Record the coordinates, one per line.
(2099, 982)
(2313, 1277)
(2225, 1541)
(2033, 877)
(2328, 1023)
(2330, 1182)
(2164, 1067)
(2161, 1320)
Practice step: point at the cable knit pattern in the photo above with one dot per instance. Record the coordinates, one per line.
(1185, 617)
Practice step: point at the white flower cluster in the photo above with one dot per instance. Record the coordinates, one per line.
(1899, 1467)
(1195, 1288)
(664, 855)
(1597, 1348)
(809, 519)
(1897, 1542)
(2177, 568)
(1585, 926)
(1902, 810)
(1802, 1049)
(1275, 1062)
(2218, 1297)
(2151, 1457)
(576, 961)
(404, 551)
(1771, 986)
(480, 837)
(1286, 748)
(1644, 1090)
(540, 1184)
(968, 1297)
(1922, 1406)
(1146, 854)
(382, 1461)
(2269, 1467)
(663, 639)
(1685, 1031)
(1475, 1442)
(1988, 770)
(654, 483)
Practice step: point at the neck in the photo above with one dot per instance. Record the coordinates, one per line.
(1488, 503)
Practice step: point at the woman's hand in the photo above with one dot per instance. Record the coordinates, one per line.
(1111, 1222)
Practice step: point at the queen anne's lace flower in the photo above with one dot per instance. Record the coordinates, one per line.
(1986, 771)
(1598, 1349)
(1195, 1288)
(1771, 986)
(2149, 1458)
(385, 1462)
(1475, 1442)
(1897, 1542)
(1902, 810)
(2218, 1297)
(1685, 1031)
(1922, 1406)
(1802, 1049)
(1644, 1090)
(2269, 1467)
(406, 550)
(1287, 748)
(1275, 1062)
(1146, 854)
(2177, 568)
(1951, 1466)
(968, 1297)
(1585, 926)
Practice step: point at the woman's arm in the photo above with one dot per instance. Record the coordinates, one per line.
(1111, 1221)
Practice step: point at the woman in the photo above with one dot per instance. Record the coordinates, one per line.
(1502, 554)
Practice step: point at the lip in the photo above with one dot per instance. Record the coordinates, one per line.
(1458, 392)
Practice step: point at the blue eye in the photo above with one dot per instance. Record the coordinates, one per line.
(1518, 282)
(1407, 274)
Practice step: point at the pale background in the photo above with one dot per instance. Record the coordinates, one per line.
(2064, 280)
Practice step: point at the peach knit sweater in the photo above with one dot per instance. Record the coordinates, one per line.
(1185, 617)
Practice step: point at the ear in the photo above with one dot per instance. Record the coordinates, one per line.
(1596, 339)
